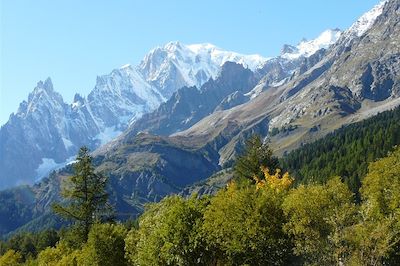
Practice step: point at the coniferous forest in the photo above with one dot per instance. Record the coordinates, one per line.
(346, 152)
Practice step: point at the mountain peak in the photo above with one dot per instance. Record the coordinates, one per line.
(288, 49)
(47, 85)
(176, 65)
(307, 48)
(172, 45)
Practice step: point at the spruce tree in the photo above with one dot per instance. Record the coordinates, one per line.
(257, 155)
(85, 195)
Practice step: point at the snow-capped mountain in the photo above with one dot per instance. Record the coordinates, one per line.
(332, 87)
(307, 48)
(122, 96)
(176, 65)
(46, 132)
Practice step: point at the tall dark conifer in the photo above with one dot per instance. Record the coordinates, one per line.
(85, 195)
(257, 154)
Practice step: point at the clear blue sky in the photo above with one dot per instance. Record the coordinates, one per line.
(73, 41)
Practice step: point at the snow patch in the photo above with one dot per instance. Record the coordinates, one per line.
(125, 66)
(48, 165)
(67, 143)
(107, 135)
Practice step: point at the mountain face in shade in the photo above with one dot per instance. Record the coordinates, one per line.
(189, 104)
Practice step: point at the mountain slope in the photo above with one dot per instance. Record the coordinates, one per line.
(347, 151)
(189, 104)
(356, 78)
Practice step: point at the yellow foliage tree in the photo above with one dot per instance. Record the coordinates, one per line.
(276, 181)
(11, 258)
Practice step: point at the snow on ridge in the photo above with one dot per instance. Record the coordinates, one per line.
(125, 66)
(366, 21)
(107, 135)
(220, 56)
(195, 63)
(308, 48)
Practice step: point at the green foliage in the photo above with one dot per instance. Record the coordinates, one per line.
(29, 244)
(105, 246)
(170, 234)
(347, 151)
(131, 241)
(58, 255)
(318, 216)
(47, 238)
(73, 236)
(244, 226)
(85, 194)
(262, 223)
(376, 237)
(256, 155)
(11, 258)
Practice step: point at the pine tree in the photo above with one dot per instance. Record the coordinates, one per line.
(256, 156)
(85, 195)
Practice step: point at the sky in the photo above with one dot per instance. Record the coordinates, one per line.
(74, 41)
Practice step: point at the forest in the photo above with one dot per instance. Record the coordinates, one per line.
(346, 152)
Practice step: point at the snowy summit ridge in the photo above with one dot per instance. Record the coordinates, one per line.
(189, 65)
(308, 48)
(366, 21)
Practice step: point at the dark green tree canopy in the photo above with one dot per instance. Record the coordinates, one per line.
(85, 195)
(257, 154)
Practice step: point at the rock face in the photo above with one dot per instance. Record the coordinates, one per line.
(189, 104)
(45, 133)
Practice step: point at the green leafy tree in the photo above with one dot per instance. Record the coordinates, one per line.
(243, 225)
(170, 234)
(59, 255)
(131, 241)
(376, 238)
(47, 238)
(105, 246)
(256, 155)
(319, 217)
(24, 243)
(85, 195)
